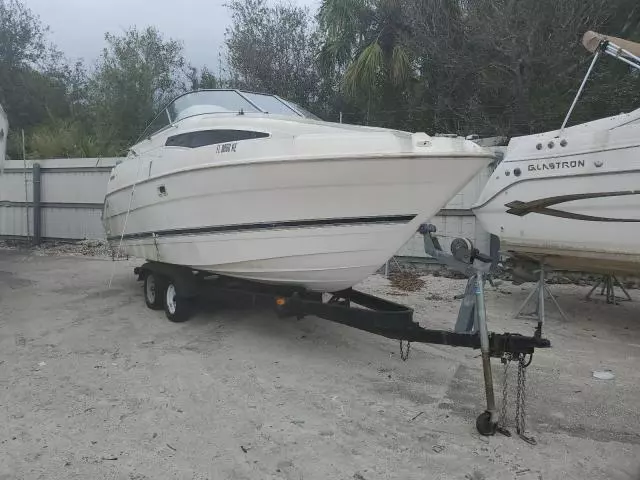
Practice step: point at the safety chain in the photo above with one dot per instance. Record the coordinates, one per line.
(404, 353)
(506, 361)
(521, 396)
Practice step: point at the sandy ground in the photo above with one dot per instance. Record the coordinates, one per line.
(96, 386)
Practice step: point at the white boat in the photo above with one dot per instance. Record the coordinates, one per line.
(252, 186)
(570, 198)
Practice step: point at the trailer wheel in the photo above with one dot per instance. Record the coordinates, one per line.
(484, 424)
(176, 308)
(154, 291)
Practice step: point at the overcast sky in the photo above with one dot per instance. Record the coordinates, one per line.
(78, 26)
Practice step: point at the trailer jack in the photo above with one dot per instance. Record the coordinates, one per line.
(472, 321)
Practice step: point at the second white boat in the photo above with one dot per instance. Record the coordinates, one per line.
(570, 198)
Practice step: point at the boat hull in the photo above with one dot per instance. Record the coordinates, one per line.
(323, 224)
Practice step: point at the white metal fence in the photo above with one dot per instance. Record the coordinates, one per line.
(72, 194)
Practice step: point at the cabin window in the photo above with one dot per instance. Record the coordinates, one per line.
(211, 137)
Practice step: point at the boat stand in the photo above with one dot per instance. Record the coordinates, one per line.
(539, 292)
(608, 283)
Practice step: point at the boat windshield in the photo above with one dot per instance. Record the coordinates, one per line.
(223, 101)
(208, 101)
(305, 113)
(270, 104)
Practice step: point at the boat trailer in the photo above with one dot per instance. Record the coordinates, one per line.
(174, 288)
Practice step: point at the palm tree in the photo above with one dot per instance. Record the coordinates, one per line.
(364, 43)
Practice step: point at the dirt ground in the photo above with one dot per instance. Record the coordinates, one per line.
(96, 386)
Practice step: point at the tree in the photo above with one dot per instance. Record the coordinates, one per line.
(272, 49)
(442, 93)
(465, 66)
(60, 138)
(137, 74)
(203, 79)
(22, 36)
(527, 60)
(28, 91)
(364, 41)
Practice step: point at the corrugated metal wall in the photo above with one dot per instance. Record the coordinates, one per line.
(72, 193)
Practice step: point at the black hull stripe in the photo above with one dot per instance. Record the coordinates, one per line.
(557, 177)
(542, 205)
(247, 227)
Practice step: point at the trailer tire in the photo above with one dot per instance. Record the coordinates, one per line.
(154, 291)
(177, 308)
(485, 426)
